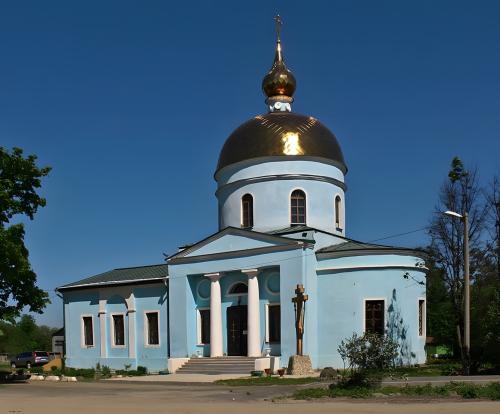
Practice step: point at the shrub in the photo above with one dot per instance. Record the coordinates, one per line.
(365, 357)
(142, 370)
(368, 352)
(105, 371)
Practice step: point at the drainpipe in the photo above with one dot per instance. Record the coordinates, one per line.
(165, 281)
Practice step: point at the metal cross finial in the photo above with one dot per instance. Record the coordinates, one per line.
(279, 23)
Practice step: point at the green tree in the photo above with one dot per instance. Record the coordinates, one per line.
(24, 335)
(460, 193)
(20, 178)
(440, 317)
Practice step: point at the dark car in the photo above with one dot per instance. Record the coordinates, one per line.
(30, 359)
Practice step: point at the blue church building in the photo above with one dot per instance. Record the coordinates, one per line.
(282, 221)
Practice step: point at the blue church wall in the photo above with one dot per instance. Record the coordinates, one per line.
(341, 297)
(271, 204)
(151, 299)
(78, 304)
(130, 301)
(262, 167)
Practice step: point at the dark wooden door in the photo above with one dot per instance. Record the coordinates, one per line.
(237, 330)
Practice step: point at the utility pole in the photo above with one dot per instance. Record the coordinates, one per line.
(466, 293)
(466, 345)
(497, 205)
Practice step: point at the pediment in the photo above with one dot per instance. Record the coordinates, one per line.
(232, 239)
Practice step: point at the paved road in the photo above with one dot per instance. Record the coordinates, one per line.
(123, 398)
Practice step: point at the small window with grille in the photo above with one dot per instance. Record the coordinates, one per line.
(298, 208)
(374, 316)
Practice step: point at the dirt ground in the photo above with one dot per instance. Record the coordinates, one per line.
(123, 398)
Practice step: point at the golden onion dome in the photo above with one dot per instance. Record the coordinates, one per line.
(287, 135)
(279, 81)
(281, 133)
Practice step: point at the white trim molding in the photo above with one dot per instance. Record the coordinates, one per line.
(198, 325)
(146, 329)
(112, 329)
(238, 282)
(424, 317)
(267, 319)
(306, 205)
(82, 331)
(364, 310)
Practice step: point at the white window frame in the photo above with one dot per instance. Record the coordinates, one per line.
(364, 310)
(338, 214)
(228, 291)
(146, 330)
(241, 209)
(267, 319)
(424, 317)
(290, 206)
(112, 333)
(82, 331)
(198, 325)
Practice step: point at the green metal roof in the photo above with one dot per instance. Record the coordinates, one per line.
(122, 276)
(291, 229)
(353, 247)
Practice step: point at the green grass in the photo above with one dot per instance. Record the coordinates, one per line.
(267, 381)
(464, 390)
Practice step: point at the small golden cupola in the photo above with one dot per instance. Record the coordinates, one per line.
(279, 84)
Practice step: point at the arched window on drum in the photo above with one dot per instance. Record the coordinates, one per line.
(338, 213)
(297, 208)
(247, 211)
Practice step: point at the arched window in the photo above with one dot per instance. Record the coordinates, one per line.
(247, 211)
(338, 212)
(298, 208)
(238, 289)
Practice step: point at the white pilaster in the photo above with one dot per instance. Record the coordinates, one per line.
(253, 323)
(130, 301)
(131, 333)
(215, 315)
(102, 327)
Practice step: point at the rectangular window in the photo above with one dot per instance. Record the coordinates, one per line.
(374, 316)
(421, 317)
(274, 315)
(88, 331)
(119, 330)
(204, 326)
(153, 337)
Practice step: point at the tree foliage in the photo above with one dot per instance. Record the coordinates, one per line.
(461, 193)
(24, 335)
(20, 178)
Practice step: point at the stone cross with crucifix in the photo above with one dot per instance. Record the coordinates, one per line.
(299, 305)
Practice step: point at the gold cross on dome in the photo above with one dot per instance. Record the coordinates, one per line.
(279, 23)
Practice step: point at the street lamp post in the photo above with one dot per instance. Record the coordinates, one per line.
(465, 218)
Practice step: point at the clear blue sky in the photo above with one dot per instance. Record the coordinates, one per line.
(131, 101)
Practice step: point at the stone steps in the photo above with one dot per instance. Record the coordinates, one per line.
(215, 366)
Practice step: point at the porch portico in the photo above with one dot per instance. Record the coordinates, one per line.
(226, 295)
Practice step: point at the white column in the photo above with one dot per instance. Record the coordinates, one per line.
(253, 323)
(215, 316)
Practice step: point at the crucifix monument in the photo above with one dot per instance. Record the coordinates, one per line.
(299, 364)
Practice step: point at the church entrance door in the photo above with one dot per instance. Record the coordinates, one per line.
(237, 330)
